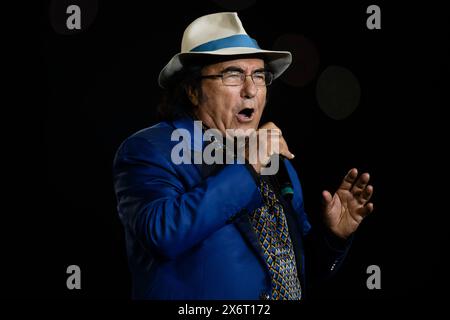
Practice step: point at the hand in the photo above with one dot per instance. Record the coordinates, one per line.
(345, 210)
(269, 141)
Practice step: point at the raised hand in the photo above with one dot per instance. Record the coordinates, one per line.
(344, 211)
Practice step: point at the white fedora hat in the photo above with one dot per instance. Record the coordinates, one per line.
(220, 34)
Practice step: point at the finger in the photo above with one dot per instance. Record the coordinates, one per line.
(360, 184)
(276, 130)
(273, 144)
(349, 179)
(327, 198)
(367, 194)
(284, 149)
(269, 125)
(277, 144)
(288, 154)
(365, 210)
(268, 144)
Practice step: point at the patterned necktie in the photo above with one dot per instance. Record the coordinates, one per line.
(270, 225)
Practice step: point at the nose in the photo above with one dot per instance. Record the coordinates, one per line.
(249, 89)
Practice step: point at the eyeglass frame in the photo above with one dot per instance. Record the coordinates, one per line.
(243, 77)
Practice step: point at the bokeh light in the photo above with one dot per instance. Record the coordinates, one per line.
(338, 92)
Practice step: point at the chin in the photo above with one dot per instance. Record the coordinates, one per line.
(247, 126)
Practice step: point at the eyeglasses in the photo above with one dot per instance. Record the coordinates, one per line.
(237, 78)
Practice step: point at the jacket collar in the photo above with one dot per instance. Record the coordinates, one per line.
(195, 130)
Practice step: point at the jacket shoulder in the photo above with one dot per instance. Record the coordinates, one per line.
(151, 142)
(160, 132)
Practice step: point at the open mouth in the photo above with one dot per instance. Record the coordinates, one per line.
(245, 115)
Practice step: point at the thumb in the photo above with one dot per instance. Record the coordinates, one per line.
(327, 198)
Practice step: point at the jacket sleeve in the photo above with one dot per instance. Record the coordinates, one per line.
(163, 213)
(324, 252)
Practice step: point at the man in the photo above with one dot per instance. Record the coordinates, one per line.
(224, 230)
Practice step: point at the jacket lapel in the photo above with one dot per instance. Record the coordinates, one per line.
(245, 227)
(242, 222)
(296, 240)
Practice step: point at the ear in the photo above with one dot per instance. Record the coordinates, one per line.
(192, 95)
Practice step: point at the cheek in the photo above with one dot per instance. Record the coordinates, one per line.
(224, 103)
(220, 104)
(262, 101)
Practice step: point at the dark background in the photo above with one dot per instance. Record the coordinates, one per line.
(85, 92)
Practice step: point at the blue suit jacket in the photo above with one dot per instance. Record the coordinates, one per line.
(188, 234)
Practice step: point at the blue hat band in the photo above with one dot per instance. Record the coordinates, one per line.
(239, 40)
